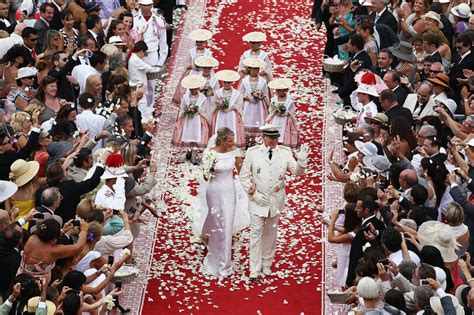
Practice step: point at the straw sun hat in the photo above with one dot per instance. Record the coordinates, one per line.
(200, 35)
(439, 235)
(21, 172)
(254, 63)
(280, 84)
(227, 76)
(206, 61)
(193, 82)
(255, 37)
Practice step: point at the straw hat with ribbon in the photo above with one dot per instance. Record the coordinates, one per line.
(254, 63)
(280, 84)
(380, 118)
(200, 35)
(227, 76)
(206, 62)
(434, 16)
(22, 172)
(33, 305)
(255, 37)
(193, 82)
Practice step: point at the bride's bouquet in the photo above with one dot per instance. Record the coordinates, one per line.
(190, 111)
(258, 94)
(222, 104)
(209, 159)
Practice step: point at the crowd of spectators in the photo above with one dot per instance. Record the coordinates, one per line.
(77, 101)
(406, 233)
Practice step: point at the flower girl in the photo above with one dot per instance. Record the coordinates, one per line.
(228, 107)
(254, 89)
(255, 40)
(200, 36)
(191, 129)
(206, 66)
(282, 110)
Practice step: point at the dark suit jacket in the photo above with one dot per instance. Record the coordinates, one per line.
(439, 158)
(42, 28)
(349, 85)
(99, 41)
(456, 72)
(56, 23)
(386, 18)
(448, 29)
(399, 111)
(8, 29)
(9, 265)
(357, 243)
(401, 92)
(436, 57)
(65, 88)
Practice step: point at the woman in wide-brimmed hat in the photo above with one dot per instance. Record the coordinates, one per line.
(403, 51)
(255, 40)
(461, 14)
(441, 86)
(23, 174)
(200, 37)
(228, 102)
(254, 89)
(191, 129)
(282, 111)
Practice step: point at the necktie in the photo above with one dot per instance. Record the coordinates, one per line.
(33, 54)
(377, 16)
(270, 154)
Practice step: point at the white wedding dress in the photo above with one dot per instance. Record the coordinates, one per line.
(224, 211)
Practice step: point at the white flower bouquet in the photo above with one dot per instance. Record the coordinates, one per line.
(209, 159)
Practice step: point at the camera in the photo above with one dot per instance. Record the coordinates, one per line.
(110, 260)
(76, 222)
(132, 210)
(39, 216)
(116, 212)
(424, 282)
(384, 261)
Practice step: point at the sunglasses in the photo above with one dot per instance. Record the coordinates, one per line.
(29, 78)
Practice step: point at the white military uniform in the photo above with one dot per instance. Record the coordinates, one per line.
(269, 179)
(155, 38)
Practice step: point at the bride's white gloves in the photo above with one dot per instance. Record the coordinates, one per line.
(302, 155)
(260, 199)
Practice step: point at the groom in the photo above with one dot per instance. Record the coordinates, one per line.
(263, 178)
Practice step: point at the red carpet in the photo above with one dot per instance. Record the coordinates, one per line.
(176, 285)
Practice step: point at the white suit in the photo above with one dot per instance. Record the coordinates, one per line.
(269, 179)
(428, 110)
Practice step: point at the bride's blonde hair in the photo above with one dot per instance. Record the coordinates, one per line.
(223, 133)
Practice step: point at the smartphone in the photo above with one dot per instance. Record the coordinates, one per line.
(39, 216)
(384, 261)
(132, 210)
(76, 222)
(118, 284)
(464, 257)
(424, 282)
(110, 260)
(147, 162)
(116, 212)
(341, 211)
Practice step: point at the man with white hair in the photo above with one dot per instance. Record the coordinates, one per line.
(381, 15)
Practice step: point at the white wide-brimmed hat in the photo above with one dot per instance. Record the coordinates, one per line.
(116, 40)
(439, 235)
(227, 76)
(434, 16)
(366, 148)
(280, 84)
(450, 104)
(435, 303)
(270, 130)
(21, 172)
(367, 89)
(254, 63)
(462, 10)
(377, 163)
(255, 37)
(7, 189)
(206, 61)
(200, 35)
(26, 72)
(193, 81)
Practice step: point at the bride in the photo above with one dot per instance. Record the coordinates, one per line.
(224, 208)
